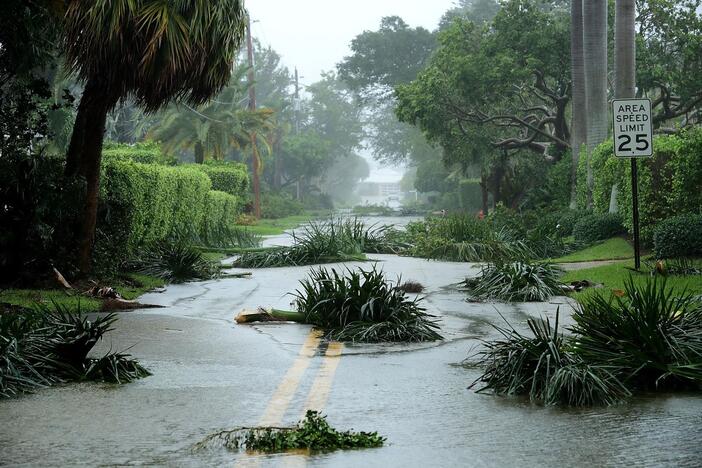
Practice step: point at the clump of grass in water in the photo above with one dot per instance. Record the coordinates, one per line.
(516, 282)
(177, 263)
(362, 306)
(463, 238)
(325, 242)
(49, 345)
(312, 433)
(646, 339)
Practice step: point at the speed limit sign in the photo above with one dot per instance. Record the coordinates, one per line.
(633, 136)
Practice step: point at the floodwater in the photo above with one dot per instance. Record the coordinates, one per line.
(211, 375)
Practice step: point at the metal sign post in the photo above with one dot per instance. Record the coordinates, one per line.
(633, 138)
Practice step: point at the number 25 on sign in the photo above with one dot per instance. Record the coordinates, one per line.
(633, 136)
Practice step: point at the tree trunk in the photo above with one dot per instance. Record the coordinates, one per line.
(625, 49)
(83, 159)
(595, 54)
(578, 107)
(485, 195)
(199, 153)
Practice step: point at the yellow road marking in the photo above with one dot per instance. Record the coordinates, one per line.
(321, 387)
(280, 400)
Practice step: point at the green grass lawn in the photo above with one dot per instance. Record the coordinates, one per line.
(272, 227)
(612, 249)
(613, 277)
(129, 285)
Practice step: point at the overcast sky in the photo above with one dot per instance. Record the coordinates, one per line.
(314, 35)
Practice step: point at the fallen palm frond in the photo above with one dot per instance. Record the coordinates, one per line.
(363, 306)
(516, 282)
(51, 344)
(313, 433)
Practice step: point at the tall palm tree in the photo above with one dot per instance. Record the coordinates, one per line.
(210, 130)
(579, 109)
(595, 55)
(151, 50)
(625, 49)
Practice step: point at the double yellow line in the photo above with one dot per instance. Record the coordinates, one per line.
(321, 387)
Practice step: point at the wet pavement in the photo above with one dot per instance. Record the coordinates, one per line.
(211, 375)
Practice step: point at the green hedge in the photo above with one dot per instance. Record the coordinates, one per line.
(669, 182)
(597, 227)
(144, 204)
(274, 206)
(147, 152)
(228, 177)
(679, 237)
(221, 211)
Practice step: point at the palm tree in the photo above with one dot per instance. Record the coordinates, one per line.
(210, 130)
(625, 49)
(153, 51)
(579, 110)
(595, 55)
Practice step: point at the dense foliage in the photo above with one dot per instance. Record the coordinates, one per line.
(668, 182)
(596, 227)
(679, 237)
(50, 345)
(176, 263)
(312, 433)
(516, 282)
(363, 306)
(647, 338)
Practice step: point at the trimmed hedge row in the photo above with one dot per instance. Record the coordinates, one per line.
(143, 204)
(228, 177)
(679, 237)
(147, 152)
(669, 182)
(597, 227)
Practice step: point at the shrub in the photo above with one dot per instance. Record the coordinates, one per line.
(516, 282)
(668, 182)
(679, 237)
(143, 204)
(542, 368)
(177, 263)
(464, 238)
(221, 211)
(326, 242)
(227, 177)
(50, 344)
(275, 206)
(596, 227)
(147, 152)
(649, 337)
(362, 306)
(567, 220)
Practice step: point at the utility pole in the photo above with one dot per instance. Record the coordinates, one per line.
(296, 108)
(255, 163)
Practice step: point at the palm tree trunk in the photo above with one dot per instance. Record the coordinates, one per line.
(595, 54)
(199, 153)
(83, 159)
(579, 110)
(625, 49)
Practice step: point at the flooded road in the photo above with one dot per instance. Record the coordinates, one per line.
(211, 374)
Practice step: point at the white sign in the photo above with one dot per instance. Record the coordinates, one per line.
(633, 136)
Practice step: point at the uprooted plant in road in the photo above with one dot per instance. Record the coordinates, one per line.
(313, 433)
(358, 306)
(648, 339)
(335, 240)
(49, 345)
(519, 281)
